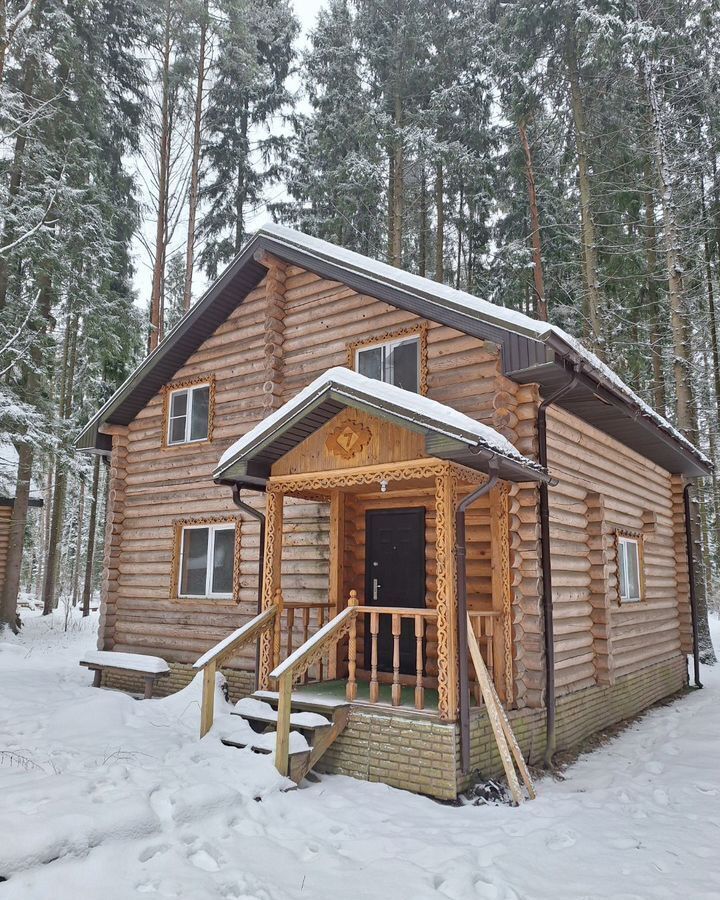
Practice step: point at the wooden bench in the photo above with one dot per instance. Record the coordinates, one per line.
(151, 668)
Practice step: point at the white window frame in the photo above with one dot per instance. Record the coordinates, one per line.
(388, 345)
(212, 529)
(188, 414)
(623, 542)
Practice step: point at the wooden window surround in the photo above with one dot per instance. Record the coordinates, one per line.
(415, 331)
(630, 556)
(215, 524)
(188, 384)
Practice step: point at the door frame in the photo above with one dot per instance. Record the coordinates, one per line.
(420, 514)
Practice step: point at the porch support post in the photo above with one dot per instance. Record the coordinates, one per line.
(446, 595)
(271, 576)
(501, 589)
(337, 553)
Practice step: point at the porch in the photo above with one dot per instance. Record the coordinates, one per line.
(392, 565)
(416, 498)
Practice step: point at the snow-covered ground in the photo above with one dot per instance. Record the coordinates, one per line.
(107, 798)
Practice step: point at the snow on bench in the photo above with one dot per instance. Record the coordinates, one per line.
(150, 667)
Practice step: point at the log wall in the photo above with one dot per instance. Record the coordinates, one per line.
(604, 487)
(290, 329)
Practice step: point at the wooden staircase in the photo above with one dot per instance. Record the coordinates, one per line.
(318, 721)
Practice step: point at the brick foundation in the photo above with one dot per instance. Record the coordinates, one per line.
(240, 684)
(420, 754)
(380, 745)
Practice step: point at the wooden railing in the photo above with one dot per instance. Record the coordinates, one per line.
(295, 666)
(294, 625)
(397, 615)
(210, 661)
(484, 627)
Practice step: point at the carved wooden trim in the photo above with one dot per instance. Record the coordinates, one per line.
(271, 577)
(348, 439)
(420, 330)
(446, 594)
(502, 581)
(173, 386)
(178, 526)
(402, 471)
(639, 537)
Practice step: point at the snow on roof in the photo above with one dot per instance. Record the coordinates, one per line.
(425, 412)
(503, 317)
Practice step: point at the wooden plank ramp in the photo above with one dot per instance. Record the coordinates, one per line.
(507, 744)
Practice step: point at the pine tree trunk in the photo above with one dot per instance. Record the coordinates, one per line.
(659, 393)
(538, 279)
(587, 224)
(422, 237)
(712, 312)
(681, 358)
(398, 189)
(78, 545)
(92, 527)
(195, 164)
(440, 226)
(161, 226)
(16, 539)
(16, 176)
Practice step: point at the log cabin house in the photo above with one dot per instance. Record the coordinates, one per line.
(361, 462)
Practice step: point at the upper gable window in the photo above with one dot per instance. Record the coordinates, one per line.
(395, 362)
(189, 414)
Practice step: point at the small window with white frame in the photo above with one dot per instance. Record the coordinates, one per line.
(207, 554)
(394, 362)
(189, 414)
(629, 552)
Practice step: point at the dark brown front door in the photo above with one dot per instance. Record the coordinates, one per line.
(394, 576)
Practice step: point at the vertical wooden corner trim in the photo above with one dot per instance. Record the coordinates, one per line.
(168, 389)
(502, 581)
(178, 526)
(271, 576)
(420, 331)
(445, 489)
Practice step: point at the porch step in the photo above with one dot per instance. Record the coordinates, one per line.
(315, 723)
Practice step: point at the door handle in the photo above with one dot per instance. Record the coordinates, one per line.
(375, 587)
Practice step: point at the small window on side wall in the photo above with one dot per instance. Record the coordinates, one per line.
(189, 415)
(207, 554)
(629, 551)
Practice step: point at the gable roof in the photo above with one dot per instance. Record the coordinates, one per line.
(531, 351)
(449, 434)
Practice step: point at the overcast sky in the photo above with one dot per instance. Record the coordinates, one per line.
(306, 11)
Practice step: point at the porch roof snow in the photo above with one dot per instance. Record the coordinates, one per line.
(350, 389)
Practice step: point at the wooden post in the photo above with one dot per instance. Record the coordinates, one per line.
(277, 629)
(351, 689)
(337, 560)
(374, 629)
(282, 739)
(207, 710)
(396, 686)
(419, 688)
(271, 576)
(501, 591)
(446, 592)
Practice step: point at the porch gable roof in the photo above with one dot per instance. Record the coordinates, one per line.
(449, 434)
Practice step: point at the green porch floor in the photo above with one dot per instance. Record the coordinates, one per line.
(335, 690)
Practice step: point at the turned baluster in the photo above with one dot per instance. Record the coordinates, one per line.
(306, 632)
(419, 689)
(290, 626)
(277, 632)
(351, 689)
(374, 629)
(396, 687)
